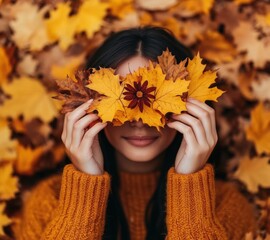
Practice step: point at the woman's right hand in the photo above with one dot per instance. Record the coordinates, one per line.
(82, 145)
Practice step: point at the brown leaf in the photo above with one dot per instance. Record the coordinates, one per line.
(74, 93)
(169, 66)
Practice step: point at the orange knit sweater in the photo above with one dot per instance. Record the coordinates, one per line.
(73, 206)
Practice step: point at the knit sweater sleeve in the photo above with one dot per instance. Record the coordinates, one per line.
(79, 210)
(193, 213)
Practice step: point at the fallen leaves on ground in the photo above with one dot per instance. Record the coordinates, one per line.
(43, 41)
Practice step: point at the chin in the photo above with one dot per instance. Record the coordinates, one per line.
(140, 155)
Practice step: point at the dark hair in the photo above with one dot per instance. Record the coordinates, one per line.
(149, 42)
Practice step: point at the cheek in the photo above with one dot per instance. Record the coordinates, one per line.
(113, 134)
(168, 135)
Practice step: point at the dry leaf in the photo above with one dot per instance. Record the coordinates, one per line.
(8, 183)
(168, 93)
(29, 98)
(243, 1)
(7, 145)
(156, 4)
(69, 69)
(259, 129)
(121, 8)
(28, 26)
(201, 81)
(216, 48)
(254, 173)
(4, 220)
(74, 92)
(90, 16)
(161, 20)
(247, 39)
(195, 7)
(169, 66)
(27, 66)
(261, 87)
(28, 158)
(61, 26)
(5, 67)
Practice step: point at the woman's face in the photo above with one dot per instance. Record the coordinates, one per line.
(134, 140)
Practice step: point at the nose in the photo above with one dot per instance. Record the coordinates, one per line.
(138, 124)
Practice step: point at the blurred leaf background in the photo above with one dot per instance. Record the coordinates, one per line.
(44, 40)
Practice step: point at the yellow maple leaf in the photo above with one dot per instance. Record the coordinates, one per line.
(254, 172)
(60, 26)
(90, 16)
(165, 95)
(200, 81)
(259, 129)
(169, 22)
(5, 67)
(149, 116)
(8, 183)
(7, 145)
(4, 220)
(29, 98)
(168, 93)
(105, 82)
(28, 27)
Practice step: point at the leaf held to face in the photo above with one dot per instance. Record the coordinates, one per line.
(201, 81)
(107, 84)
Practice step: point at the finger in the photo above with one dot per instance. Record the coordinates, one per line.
(205, 119)
(89, 136)
(195, 124)
(74, 116)
(186, 131)
(64, 133)
(210, 110)
(79, 129)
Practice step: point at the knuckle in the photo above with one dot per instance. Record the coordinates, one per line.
(77, 125)
(205, 114)
(212, 111)
(188, 130)
(72, 149)
(197, 122)
(205, 148)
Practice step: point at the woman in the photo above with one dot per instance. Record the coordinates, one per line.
(131, 181)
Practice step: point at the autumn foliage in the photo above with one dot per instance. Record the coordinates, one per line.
(43, 42)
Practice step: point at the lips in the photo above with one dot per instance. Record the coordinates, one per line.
(141, 141)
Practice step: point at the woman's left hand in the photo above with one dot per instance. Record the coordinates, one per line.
(198, 127)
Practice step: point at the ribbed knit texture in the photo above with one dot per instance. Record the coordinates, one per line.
(73, 206)
(135, 192)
